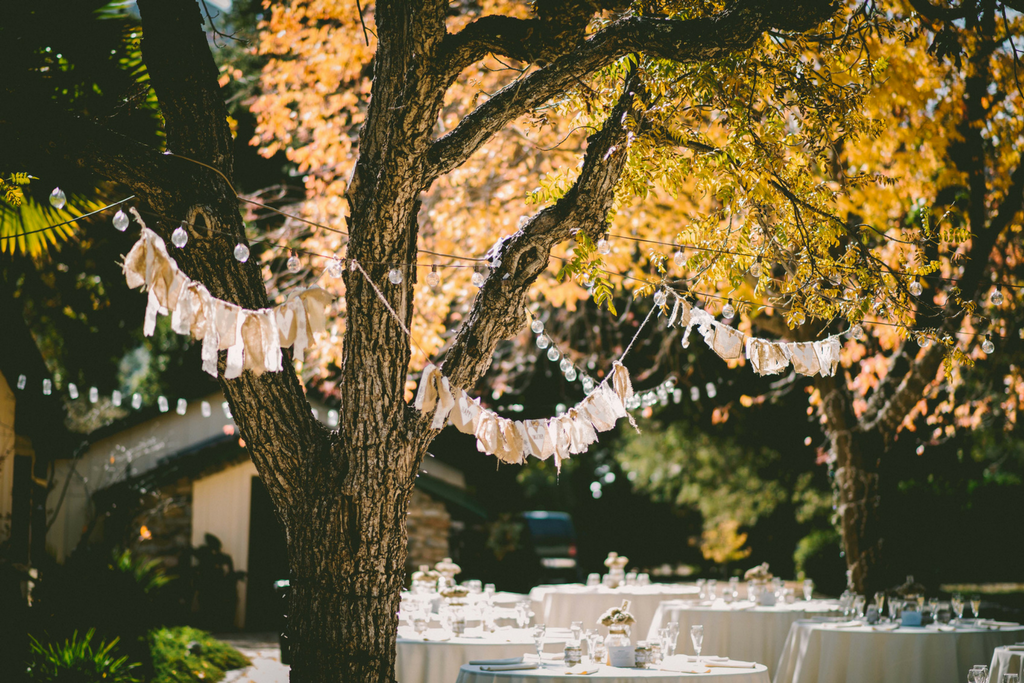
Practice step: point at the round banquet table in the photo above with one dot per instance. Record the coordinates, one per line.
(817, 652)
(559, 606)
(1008, 659)
(611, 674)
(436, 660)
(740, 630)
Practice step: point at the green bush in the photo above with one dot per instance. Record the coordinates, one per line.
(76, 661)
(187, 655)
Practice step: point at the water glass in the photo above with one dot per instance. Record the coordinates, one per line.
(577, 631)
(540, 633)
(630, 578)
(808, 589)
(978, 674)
(1010, 678)
(894, 609)
(673, 634)
(976, 606)
(522, 614)
(958, 606)
(595, 646)
(593, 579)
(858, 606)
(697, 637)
(643, 579)
(489, 591)
(475, 586)
(702, 588)
(712, 589)
(752, 591)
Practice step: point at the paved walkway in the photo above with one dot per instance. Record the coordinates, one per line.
(265, 653)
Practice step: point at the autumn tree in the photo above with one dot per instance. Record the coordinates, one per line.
(735, 103)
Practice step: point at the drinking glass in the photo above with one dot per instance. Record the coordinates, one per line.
(540, 633)
(522, 614)
(933, 607)
(702, 587)
(630, 578)
(1010, 678)
(595, 645)
(712, 589)
(976, 606)
(752, 591)
(589, 636)
(643, 579)
(894, 609)
(594, 579)
(958, 606)
(808, 589)
(664, 637)
(858, 606)
(979, 674)
(673, 634)
(920, 603)
(697, 636)
(879, 601)
(577, 631)
(489, 590)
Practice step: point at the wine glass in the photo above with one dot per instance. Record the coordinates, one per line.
(577, 631)
(976, 606)
(590, 635)
(958, 606)
(858, 606)
(673, 637)
(540, 633)
(978, 674)
(808, 589)
(697, 636)
(1010, 678)
(879, 601)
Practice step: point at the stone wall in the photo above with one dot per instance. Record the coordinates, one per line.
(429, 525)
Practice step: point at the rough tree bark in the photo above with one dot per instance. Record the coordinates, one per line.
(342, 496)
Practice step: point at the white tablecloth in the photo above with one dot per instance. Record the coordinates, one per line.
(561, 605)
(817, 653)
(739, 630)
(609, 674)
(420, 661)
(1006, 660)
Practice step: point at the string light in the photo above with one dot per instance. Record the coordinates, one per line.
(57, 198)
(73, 391)
(857, 332)
(181, 407)
(603, 247)
(161, 403)
(554, 354)
(241, 253)
(22, 380)
(47, 387)
(94, 395)
(997, 297)
(179, 237)
(433, 277)
(679, 258)
(205, 409)
(335, 269)
(660, 297)
(395, 276)
(293, 264)
(728, 312)
(115, 398)
(543, 342)
(537, 326)
(136, 401)
(987, 346)
(916, 288)
(755, 268)
(120, 221)
(477, 279)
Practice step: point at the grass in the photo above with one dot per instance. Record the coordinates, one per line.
(187, 655)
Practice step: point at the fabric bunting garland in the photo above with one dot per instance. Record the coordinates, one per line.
(252, 338)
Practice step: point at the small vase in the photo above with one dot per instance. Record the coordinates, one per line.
(620, 650)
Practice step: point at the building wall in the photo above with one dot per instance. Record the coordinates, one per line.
(428, 525)
(220, 506)
(6, 456)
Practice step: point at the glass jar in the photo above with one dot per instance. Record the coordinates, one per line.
(573, 654)
(642, 655)
(619, 647)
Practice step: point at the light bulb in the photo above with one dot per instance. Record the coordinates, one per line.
(293, 264)
(395, 276)
(554, 354)
(115, 397)
(47, 387)
(433, 277)
(226, 408)
(857, 332)
(711, 390)
(120, 220)
(537, 326)
(916, 288)
(679, 258)
(728, 312)
(694, 394)
(73, 391)
(332, 418)
(182, 406)
(565, 364)
(755, 268)
(477, 279)
(660, 297)
(179, 237)
(205, 409)
(923, 341)
(57, 198)
(22, 381)
(94, 394)
(997, 297)
(241, 253)
(588, 384)
(603, 247)
(835, 279)
(162, 404)
(570, 374)
(798, 318)
(334, 268)
(543, 342)
(136, 401)
(987, 346)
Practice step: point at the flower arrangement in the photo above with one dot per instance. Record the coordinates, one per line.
(448, 569)
(617, 616)
(616, 561)
(454, 592)
(425, 573)
(758, 573)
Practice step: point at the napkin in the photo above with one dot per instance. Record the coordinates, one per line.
(885, 627)
(940, 627)
(496, 662)
(677, 665)
(997, 624)
(845, 624)
(508, 667)
(730, 663)
(582, 670)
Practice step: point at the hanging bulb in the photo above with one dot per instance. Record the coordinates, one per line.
(477, 279)
(294, 265)
(916, 288)
(241, 253)
(660, 297)
(334, 268)
(570, 374)
(755, 268)
(537, 326)
(179, 237)
(182, 406)
(554, 354)
(997, 296)
(923, 341)
(857, 332)
(711, 390)
(120, 220)
(94, 395)
(603, 247)
(57, 198)
(433, 277)
(728, 312)
(836, 279)
(543, 342)
(679, 258)
(205, 409)
(161, 403)
(73, 391)
(47, 387)
(395, 276)
(136, 401)
(115, 398)
(565, 364)
(22, 381)
(987, 346)
(798, 318)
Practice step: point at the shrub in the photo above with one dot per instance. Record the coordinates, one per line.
(76, 661)
(185, 655)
